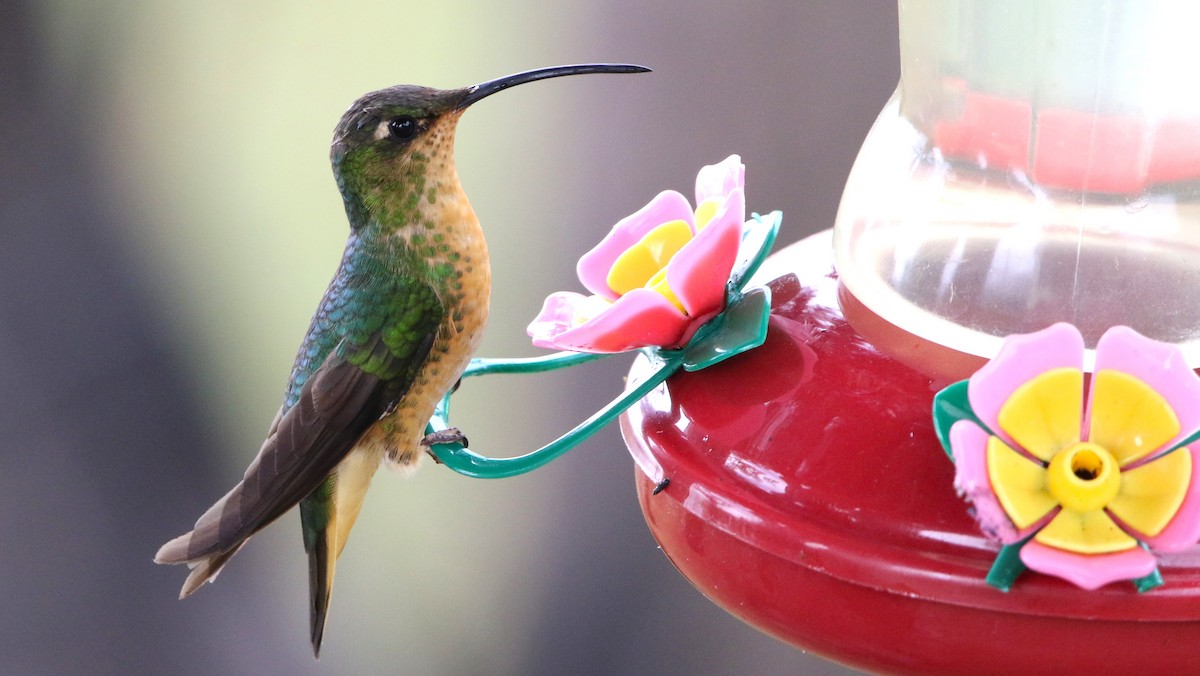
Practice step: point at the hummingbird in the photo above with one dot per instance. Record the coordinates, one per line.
(392, 334)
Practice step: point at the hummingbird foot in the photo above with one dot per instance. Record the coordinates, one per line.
(450, 435)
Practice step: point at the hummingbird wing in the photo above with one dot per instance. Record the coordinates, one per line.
(367, 372)
(327, 514)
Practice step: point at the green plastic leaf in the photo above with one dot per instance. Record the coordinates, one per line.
(949, 406)
(1154, 579)
(758, 237)
(1193, 438)
(1007, 567)
(743, 326)
(1145, 584)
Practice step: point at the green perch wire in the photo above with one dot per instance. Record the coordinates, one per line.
(467, 463)
(743, 326)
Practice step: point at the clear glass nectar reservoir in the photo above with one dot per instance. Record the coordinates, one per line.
(1039, 162)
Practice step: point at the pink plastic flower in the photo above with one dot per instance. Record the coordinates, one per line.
(1094, 482)
(658, 276)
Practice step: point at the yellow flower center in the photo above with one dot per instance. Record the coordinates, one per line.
(706, 210)
(1083, 477)
(644, 264)
(1095, 480)
(659, 284)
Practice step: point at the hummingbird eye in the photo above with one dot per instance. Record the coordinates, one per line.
(402, 128)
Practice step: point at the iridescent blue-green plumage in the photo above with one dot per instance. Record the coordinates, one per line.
(382, 323)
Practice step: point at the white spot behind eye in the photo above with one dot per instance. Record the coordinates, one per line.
(381, 131)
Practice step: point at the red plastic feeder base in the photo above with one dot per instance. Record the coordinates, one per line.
(809, 497)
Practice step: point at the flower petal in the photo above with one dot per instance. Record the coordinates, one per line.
(1183, 530)
(641, 262)
(1085, 533)
(1045, 414)
(968, 443)
(721, 179)
(1019, 483)
(1020, 359)
(1152, 493)
(1089, 571)
(700, 271)
(1127, 417)
(562, 312)
(637, 319)
(1161, 366)
(594, 265)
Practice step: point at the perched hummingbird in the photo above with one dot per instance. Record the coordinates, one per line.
(393, 333)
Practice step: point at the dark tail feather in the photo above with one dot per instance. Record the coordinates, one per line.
(320, 588)
(326, 517)
(318, 521)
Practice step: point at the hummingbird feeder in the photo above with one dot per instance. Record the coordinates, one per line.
(956, 433)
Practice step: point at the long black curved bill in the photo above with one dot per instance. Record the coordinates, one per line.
(490, 87)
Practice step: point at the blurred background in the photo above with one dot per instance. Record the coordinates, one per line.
(168, 222)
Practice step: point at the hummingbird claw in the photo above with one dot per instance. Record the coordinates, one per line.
(661, 486)
(450, 435)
